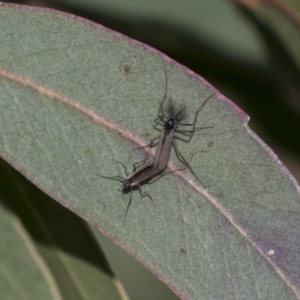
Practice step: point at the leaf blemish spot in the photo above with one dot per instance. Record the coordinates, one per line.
(271, 252)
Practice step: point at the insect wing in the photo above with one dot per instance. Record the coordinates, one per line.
(144, 174)
(162, 158)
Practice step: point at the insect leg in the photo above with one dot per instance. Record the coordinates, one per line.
(118, 178)
(143, 194)
(189, 133)
(129, 203)
(138, 164)
(125, 169)
(183, 160)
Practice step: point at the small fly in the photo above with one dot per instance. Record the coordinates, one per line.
(133, 181)
(167, 138)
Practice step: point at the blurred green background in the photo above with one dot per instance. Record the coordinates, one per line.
(250, 53)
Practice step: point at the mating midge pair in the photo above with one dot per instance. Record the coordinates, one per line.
(167, 139)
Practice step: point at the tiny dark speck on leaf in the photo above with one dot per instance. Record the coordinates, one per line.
(126, 69)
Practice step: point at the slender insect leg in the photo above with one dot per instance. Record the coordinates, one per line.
(151, 144)
(159, 124)
(125, 169)
(140, 163)
(197, 113)
(183, 160)
(189, 133)
(118, 178)
(143, 194)
(161, 119)
(129, 203)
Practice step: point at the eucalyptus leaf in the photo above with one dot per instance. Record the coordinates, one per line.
(77, 97)
(47, 252)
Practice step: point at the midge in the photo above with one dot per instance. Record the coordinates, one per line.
(168, 125)
(133, 181)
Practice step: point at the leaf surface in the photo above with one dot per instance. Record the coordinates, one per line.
(76, 97)
(47, 252)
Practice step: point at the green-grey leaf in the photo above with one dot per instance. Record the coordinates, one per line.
(76, 97)
(21, 270)
(47, 252)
